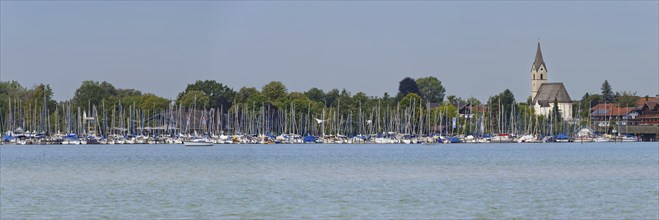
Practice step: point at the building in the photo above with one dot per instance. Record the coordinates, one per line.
(648, 113)
(544, 94)
(607, 114)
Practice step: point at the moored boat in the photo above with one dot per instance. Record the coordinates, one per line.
(198, 143)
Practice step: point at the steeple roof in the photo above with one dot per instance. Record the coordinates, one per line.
(538, 59)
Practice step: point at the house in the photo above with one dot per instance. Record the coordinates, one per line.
(605, 114)
(648, 113)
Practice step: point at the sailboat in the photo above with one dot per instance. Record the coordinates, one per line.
(198, 142)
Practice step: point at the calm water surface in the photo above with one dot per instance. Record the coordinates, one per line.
(331, 181)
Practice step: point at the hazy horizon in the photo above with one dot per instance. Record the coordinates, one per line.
(475, 48)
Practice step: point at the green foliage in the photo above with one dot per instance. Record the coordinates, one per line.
(410, 100)
(274, 91)
(454, 100)
(193, 99)
(556, 118)
(431, 89)
(219, 95)
(607, 92)
(151, 101)
(244, 94)
(331, 97)
(473, 101)
(360, 97)
(447, 110)
(92, 93)
(407, 86)
(315, 94)
(627, 99)
(500, 106)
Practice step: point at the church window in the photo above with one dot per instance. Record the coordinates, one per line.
(533, 76)
(541, 76)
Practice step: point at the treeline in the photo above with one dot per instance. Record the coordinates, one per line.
(210, 106)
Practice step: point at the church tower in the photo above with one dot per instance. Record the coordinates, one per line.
(538, 72)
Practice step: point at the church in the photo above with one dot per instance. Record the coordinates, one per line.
(544, 94)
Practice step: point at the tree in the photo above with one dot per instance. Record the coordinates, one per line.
(92, 93)
(556, 118)
(37, 96)
(315, 94)
(244, 93)
(360, 97)
(473, 101)
(454, 100)
(501, 106)
(331, 97)
(607, 92)
(194, 97)
(409, 99)
(274, 90)
(151, 101)
(627, 99)
(219, 95)
(431, 88)
(407, 86)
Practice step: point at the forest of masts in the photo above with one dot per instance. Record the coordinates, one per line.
(405, 117)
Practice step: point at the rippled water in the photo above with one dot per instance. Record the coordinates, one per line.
(331, 181)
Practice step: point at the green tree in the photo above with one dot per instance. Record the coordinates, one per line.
(500, 107)
(274, 90)
(244, 93)
(92, 93)
(407, 86)
(627, 99)
(454, 100)
(360, 97)
(192, 97)
(607, 92)
(473, 101)
(316, 94)
(37, 96)
(218, 94)
(331, 97)
(556, 118)
(431, 89)
(409, 99)
(151, 101)
(127, 92)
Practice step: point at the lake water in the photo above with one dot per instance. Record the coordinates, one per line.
(596, 180)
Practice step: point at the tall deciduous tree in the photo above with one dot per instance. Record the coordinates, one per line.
(92, 93)
(431, 89)
(218, 94)
(274, 90)
(627, 99)
(192, 98)
(244, 93)
(316, 94)
(407, 86)
(151, 101)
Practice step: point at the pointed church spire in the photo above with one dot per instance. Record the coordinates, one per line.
(538, 58)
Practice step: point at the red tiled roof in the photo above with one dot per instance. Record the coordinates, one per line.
(641, 101)
(609, 110)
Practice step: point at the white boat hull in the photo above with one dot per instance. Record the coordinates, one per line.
(197, 143)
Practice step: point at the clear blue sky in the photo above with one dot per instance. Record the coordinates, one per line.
(475, 48)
